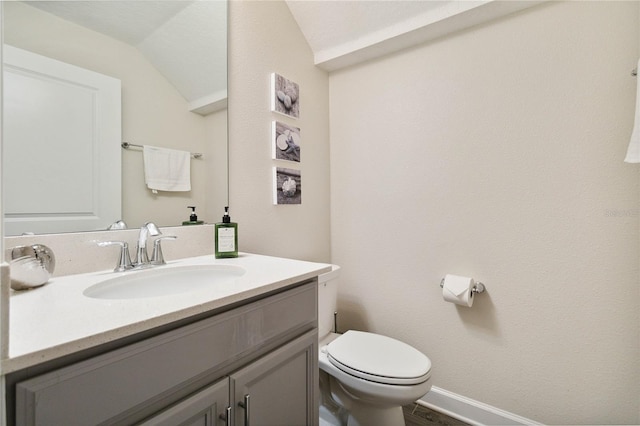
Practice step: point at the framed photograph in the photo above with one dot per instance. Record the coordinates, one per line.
(287, 186)
(285, 143)
(285, 96)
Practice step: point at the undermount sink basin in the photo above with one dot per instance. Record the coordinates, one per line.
(165, 281)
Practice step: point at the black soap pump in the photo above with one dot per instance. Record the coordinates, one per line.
(193, 219)
(226, 237)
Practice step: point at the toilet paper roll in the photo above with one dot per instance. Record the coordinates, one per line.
(457, 289)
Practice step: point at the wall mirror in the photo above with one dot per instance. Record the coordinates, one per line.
(170, 59)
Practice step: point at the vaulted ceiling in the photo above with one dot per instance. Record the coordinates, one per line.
(186, 39)
(346, 32)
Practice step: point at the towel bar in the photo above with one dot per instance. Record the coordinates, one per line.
(127, 145)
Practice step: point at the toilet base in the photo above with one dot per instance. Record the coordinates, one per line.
(363, 415)
(338, 408)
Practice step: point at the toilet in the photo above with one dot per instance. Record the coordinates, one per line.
(365, 378)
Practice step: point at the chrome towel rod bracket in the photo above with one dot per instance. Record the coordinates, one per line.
(127, 145)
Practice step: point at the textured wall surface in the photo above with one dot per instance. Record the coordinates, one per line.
(264, 38)
(497, 153)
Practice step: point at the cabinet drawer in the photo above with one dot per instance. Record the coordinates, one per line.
(118, 384)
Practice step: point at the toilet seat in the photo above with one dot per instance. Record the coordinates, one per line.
(379, 359)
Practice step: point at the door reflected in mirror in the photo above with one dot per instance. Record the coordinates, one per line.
(171, 60)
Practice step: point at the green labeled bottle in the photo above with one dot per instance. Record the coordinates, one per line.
(193, 219)
(226, 237)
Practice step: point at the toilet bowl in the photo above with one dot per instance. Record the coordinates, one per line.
(365, 378)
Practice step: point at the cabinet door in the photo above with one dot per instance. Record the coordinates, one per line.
(206, 408)
(279, 388)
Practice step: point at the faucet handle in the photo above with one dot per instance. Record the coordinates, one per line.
(157, 258)
(124, 263)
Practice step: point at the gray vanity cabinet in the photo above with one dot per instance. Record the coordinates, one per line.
(259, 359)
(276, 389)
(206, 408)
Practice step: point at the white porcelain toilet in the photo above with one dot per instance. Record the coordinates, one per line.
(365, 378)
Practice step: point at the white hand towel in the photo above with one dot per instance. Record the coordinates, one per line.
(166, 169)
(633, 152)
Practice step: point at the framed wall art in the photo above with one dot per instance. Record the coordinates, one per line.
(285, 142)
(285, 96)
(287, 186)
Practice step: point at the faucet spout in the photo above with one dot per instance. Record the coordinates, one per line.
(142, 257)
(148, 229)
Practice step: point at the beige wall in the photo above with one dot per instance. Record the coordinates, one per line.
(264, 38)
(153, 113)
(497, 153)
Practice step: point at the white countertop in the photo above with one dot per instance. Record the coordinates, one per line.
(57, 319)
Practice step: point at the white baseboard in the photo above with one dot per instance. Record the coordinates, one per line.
(469, 410)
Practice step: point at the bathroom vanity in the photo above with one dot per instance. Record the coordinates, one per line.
(246, 355)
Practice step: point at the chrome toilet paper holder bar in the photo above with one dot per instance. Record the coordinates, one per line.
(477, 288)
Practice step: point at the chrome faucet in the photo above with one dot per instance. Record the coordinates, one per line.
(142, 257)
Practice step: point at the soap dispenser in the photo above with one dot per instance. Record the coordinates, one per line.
(193, 219)
(226, 237)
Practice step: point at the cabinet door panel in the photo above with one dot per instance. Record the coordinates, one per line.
(202, 409)
(280, 386)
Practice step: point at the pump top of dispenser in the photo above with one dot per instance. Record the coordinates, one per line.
(226, 218)
(193, 218)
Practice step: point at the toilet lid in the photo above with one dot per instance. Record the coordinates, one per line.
(378, 358)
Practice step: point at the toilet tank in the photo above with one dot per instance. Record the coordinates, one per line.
(327, 300)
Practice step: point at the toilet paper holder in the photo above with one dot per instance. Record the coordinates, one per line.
(477, 288)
